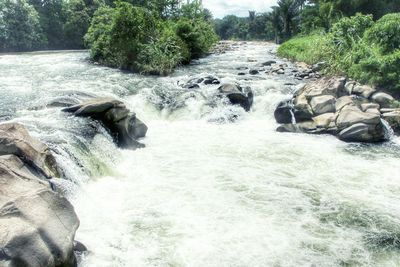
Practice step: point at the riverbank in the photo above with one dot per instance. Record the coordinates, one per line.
(206, 189)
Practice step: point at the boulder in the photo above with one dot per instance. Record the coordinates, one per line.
(363, 90)
(383, 99)
(326, 120)
(325, 86)
(284, 112)
(254, 72)
(348, 88)
(37, 224)
(361, 132)
(323, 104)
(303, 127)
(351, 115)
(367, 106)
(343, 101)
(393, 118)
(15, 139)
(123, 124)
(236, 95)
(269, 63)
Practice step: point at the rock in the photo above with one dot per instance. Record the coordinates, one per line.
(254, 72)
(348, 88)
(373, 111)
(242, 68)
(241, 73)
(280, 71)
(302, 110)
(15, 139)
(79, 247)
(323, 104)
(326, 120)
(284, 112)
(269, 63)
(237, 96)
(37, 225)
(325, 86)
(393, 118)
(383, 99)
(343, 101)
(351, 115)
(211, 80)
(318, 66)
(123, 125)
(367, 106)
(363, 90)
(361, 132)
(302, 127)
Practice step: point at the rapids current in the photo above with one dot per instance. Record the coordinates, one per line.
(206, 191)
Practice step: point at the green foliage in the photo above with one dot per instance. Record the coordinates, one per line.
(304, 48)
(385, 33)
(133, 38)
(19, 26)
(357, 47)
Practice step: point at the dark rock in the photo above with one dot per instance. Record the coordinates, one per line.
(79, 247)
(284, 112)
(237, 96)
(211, 80)
(123, 125)
(254, 72)
(269, 63)
(241, 73)
(361, 132)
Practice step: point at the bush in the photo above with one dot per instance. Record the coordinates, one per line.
(386, 33)
(131, 38)
(308, 49)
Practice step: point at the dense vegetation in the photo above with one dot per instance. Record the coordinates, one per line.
(355, 38)
(136, 38)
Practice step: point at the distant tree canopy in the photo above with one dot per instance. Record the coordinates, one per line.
(61, 24)
(290, 17)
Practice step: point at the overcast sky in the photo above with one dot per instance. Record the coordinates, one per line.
(221, 8)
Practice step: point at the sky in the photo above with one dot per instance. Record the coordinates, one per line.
(221, 8)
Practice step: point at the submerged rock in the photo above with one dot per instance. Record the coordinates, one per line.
(123, 124)
(237, 96)
(37, 224)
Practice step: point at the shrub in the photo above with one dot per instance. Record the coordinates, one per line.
(308, 49)
(386, 33)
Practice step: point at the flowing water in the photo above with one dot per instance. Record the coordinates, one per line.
(207, 191)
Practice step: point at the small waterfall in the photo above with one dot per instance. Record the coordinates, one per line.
(389, 133)
(291, 104)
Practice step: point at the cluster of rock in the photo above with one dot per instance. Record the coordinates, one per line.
(236, 94)
(223, 46)
(349, 110)
(37, 224)
(122, 124)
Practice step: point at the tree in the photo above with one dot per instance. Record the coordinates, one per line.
(19, 26)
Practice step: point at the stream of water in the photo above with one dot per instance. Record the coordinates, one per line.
(207, 191)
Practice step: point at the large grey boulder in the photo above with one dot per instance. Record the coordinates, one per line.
(123, 124)
(363, 90)
(15, 139)
(325, 86)
(237, 95)
(361, 132)
(351, 115)
(383, 99)
(323, 104)
(37, 224)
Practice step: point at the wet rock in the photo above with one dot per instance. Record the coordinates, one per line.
(284, 112)
(280, 71)
(196, 82)
(15, 139)
(37, 224)
(241, 73)
(383, 99)
(242, 68)
(393, 118)
(211, 80)
(123, 125)
(254, 72)
(237, 96)
(323, 104)
(362, 132)
(269, 63)
(79, 247)
(351, 115)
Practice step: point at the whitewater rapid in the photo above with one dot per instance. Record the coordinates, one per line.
(206, 191)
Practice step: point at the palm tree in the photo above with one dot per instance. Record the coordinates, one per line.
(290, 11)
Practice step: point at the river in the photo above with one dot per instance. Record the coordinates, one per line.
(206, 191)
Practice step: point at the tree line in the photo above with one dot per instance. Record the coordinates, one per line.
(291, 17)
